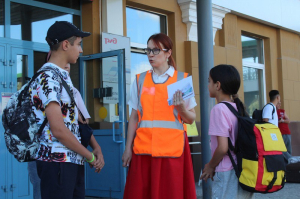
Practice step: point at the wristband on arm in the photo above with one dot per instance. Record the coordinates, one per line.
(89, 161)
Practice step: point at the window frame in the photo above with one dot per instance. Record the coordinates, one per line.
(138, 47)
(257, 65)
(48, 6)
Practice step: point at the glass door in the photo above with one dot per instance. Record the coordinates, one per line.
(21, 67)
(3, 150)
(103, 87)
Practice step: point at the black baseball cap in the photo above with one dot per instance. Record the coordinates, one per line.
(62, 30)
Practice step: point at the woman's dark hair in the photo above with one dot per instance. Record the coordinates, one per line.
(162, 39)
(230, 81)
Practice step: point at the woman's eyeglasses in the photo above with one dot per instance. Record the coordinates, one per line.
(155, 51)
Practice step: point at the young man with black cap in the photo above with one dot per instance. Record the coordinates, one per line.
(61, 156)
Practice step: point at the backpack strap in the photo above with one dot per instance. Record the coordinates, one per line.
(42, 126)
(66, 86)
(232, 109)
(230, 145)
(273, 111)
(25, 90)
(231, 148)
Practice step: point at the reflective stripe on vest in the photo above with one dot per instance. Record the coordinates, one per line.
(160, 124)
(160, 131)
(140, 82)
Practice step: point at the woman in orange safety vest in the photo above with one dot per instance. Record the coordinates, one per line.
(157, 149)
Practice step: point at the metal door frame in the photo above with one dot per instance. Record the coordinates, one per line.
(120, 54)
(11, 166)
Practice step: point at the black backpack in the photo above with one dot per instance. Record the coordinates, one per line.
(21, 131)
(257, 114)
(260, 163)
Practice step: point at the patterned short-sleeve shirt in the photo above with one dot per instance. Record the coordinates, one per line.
(45, 89)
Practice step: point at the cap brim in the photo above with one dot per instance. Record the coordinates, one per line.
(83, 34)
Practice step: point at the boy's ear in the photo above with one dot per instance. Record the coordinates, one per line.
(64, 45)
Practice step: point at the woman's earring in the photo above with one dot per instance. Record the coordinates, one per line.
(167, 59)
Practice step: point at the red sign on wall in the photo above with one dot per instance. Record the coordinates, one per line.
(114, 40)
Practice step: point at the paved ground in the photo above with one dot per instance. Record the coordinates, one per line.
(290, 191)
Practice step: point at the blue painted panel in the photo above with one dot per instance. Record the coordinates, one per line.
(20, 185)
(3, 150)
(111, 180)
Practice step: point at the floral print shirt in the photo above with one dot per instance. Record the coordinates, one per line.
(45, 89)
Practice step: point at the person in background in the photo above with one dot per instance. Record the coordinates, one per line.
(283, 124)
(269, 113)
(157, 149)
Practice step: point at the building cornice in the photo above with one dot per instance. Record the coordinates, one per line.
(189, 16)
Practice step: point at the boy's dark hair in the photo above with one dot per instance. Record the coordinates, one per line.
(56, 46)
(273, 94)
(230, 80)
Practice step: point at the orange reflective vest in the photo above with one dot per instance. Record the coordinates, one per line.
(160, 130)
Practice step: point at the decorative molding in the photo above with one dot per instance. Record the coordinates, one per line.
(189, 16)
(218, 14)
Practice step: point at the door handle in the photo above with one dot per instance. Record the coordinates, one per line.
(11, 62)
(12, 187)
(4, 188)
(11, 85)
(4, 84)
(114, 134)
(3, 61)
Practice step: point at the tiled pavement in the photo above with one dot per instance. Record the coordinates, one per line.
(290, 191)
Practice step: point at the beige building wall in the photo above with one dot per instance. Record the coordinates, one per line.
(281, 48)
(289, 72)
(282, 53)
(282, 59)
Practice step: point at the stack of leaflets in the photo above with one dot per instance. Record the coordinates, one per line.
(185, 86)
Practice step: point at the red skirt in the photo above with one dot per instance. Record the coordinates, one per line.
(161, 178)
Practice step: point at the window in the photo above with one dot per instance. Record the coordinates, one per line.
(22, 70)
(253, 73)
(1, 18)
(73, 4)
(140, 26)
(31, 23)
